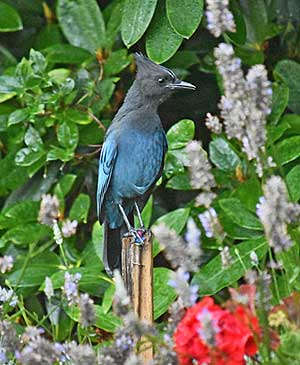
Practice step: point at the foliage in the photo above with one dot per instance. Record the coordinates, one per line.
(65, 67)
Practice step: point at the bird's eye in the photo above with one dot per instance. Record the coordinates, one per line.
(161, 80)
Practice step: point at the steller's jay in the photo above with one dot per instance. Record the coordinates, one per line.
(132, 156)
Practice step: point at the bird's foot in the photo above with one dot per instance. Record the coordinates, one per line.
(137, 234)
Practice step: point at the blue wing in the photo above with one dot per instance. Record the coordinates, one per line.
(106, 164)
(155, 167)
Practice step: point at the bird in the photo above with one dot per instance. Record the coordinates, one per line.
(132, 156)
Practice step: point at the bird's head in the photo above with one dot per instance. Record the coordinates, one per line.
(156, 81)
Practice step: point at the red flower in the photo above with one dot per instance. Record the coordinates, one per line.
(213, 335)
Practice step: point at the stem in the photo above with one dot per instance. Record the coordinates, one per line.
(236, 251)
(274, 276)
(63, 255)
(79, 338)
(23, 311)
(70, 330)
(27, 312)
(41, 321)
(24, 266)
(42, 248)
(27, 258)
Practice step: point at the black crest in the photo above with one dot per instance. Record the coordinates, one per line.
(146, 67)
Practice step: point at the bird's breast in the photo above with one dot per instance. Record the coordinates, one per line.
(139, 162)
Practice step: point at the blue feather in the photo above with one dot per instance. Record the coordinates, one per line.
(106, 164)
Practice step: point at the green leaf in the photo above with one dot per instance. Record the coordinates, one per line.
(212, 277)
(26, 75)
(42, 265)
(7, 59)
(289, 342)
(49, 35)
(180, 182)
(34, 188)
(184, 15)
(18, 116)
(80, 208)
(59, 75)
(5, 97)
(78, 117)
(57, 153)
(10, 20)
(161, 40)
(38, 62)
(293, 121)
(90, 259)
(288, 150)
(92, 280)
(19, 213)
(222, 155)
(33, 139)
(9, 84)
(280, 99)
(91, 134)
(116, 62)
(249, 193)
(290, 261)
(174, 164)
(256, 19)
(239, 36)
(136, 18)
(108, 297)
(163, 294)
(82, 23)
(175, 220)
(26, 233)
(66, 54)
(66, 87)
(113, 12)
(276, 132)
(293, 183)
(240, 214)
(106, 321)
(64, 185)
(182, 60)
(64, 324)
(97, 238)
(146, 213)
(180, 134)
(289, 72)
(235, 231)
(27, 156)
(105, 89)
(67, 135)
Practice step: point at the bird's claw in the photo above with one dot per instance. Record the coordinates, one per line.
(138, 235)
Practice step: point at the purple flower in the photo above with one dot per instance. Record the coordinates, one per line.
(209, 327)
(49, 209)
(70, 287)
(219, 18)
(276, 212)
(6, 263)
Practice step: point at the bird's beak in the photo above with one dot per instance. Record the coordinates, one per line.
(179, 84)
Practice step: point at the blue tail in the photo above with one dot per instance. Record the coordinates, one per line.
(112, 247)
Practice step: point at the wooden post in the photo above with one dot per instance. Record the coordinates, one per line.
(137, 273)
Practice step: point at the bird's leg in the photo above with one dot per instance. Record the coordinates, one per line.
(131, 230)
(142, 230)
(125, 217)
(139, 215)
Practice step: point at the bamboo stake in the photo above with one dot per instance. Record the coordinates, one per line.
(137, 274)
